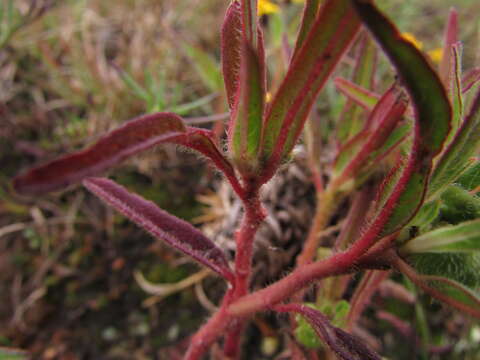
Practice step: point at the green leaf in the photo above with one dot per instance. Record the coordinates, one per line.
(457, 157)
(304, 332)
(404, 192)
(353, 116)
(359, 95)
(464, 237)
(459, 205)
(427, 214)
(309, 14)
(376, 131)
(453, 278)
(244, 131)
(432, 106)
(456, 90)
(208, 68)
(307, 74)
(470, 179)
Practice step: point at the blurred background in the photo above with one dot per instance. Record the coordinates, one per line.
(77, 281)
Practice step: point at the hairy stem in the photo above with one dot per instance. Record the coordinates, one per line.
(253, 217)
(222, 321)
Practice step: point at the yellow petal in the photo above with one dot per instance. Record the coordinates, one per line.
(410, 37)
(266, 7)
(268, 96)
(436, 55)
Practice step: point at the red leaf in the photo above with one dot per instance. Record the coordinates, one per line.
(231, 45)
(345, 345)
(136, 135)
(177, 233)
(202, 140)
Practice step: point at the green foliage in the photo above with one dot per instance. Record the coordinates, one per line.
(336, 312)
(461, 267)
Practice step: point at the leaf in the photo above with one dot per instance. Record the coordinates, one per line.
(379, 126)
(206, 66)
(357, 94)
(202, 140)
(310, 12)
(343, 344)
(470, 179)
(136, 135)
(353, 116)
(231, 47)
(457, 157)
(464, 237)
(470, 79)
(405, 191)
(450, 38)
(249, 21)
(449, 277)
(455, 294)
(244, 130)
(177, 233)
(307, 74)
(455, 87)
(419, 78)
(459, 205)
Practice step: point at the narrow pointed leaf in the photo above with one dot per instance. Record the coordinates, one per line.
(450, 38)
(430, 98)
(231, 47)
(135, 136)
(470, 79)
(353, 116)
(379, 126)
(307, 74)
(454, 294)
(249, 21)
(455, 87)
(177, 233)
(310, 12)
(457, 157)
(432, 123)
(464, 237)
(470, 179)
(247, 114)
(343, 344)
(206, 66)
(357, 94)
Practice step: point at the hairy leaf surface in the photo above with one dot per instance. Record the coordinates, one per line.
(343, 344)
(177, 233)
(135, 136)
(307, 74)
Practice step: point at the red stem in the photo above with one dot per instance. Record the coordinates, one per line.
(364, 293)
(216, 326)
(254, 215)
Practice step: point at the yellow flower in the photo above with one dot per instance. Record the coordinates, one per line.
(436, 55)
(268, 97)
(411, 38)
(266, 7)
